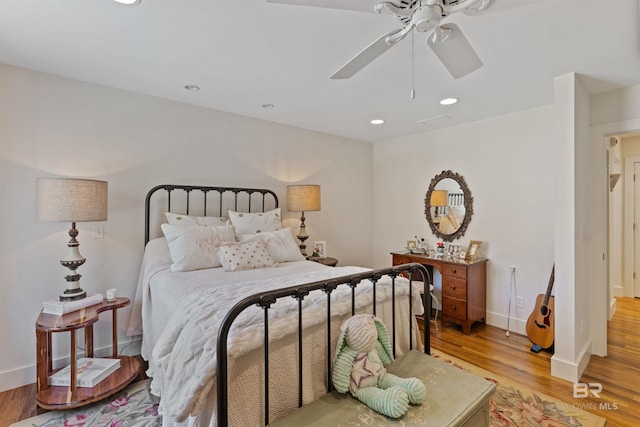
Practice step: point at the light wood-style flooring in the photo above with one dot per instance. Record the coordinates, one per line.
(618, 372)
(490, 348)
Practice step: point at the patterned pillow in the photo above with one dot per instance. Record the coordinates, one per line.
(194, 247)
(244, 256)
(281, 244)
(179, 219)
(256, 222)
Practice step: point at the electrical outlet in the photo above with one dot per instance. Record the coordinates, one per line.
(520, 302)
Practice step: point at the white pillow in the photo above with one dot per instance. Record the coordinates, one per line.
(244, 256)
(179, 219)
(256, 222)
(281, 244)
(194, 247)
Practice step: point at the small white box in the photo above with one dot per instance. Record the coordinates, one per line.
(112, 294)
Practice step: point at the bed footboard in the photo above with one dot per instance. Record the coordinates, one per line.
(264, 300)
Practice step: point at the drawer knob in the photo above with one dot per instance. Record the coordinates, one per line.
(453, 288)
(454, 271)
(453, 308)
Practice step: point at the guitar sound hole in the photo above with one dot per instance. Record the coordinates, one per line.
(544, 310)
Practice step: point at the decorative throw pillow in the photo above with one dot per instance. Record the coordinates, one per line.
(256, 222)
(194, 247)
(244, 256)
(179, 219)
(281, 244)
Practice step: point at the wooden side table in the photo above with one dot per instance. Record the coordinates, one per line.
(57, 397)
(331, 262)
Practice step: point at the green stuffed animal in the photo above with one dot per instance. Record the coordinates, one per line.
(363, 351)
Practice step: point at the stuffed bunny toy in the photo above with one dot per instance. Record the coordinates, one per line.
(363, 351)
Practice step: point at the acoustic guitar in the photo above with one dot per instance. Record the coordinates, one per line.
(540, 325)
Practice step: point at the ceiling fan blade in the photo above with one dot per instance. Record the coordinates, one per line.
(455, 52)
(367, 55)
(357, 5)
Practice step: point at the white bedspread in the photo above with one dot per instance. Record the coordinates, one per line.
(181, 320)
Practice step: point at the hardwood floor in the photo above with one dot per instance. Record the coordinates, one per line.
(618, 373)
(489, 348)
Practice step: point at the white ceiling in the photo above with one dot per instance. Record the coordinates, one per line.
(246, 53)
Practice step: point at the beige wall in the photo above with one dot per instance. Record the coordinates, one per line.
(508, 163)
(52, 126)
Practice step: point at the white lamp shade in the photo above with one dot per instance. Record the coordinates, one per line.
(71, 200)
(303, 198)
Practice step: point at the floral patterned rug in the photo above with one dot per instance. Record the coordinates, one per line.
(515, 405)
(133, 406)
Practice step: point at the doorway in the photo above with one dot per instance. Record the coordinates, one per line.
(624, 215)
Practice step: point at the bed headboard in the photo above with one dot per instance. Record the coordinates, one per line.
(205, 201)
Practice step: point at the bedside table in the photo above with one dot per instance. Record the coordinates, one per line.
(331, 262)
(63, 397)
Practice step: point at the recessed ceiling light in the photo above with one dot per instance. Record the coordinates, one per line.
(192, 88)
(128, 2)
(448, 101)
(267, 106)
(377, 121)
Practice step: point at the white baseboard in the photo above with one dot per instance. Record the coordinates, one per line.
(618, 291)
(27, 374)
(499, 320)
(571, 370)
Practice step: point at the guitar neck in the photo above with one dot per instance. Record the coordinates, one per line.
(547, 294)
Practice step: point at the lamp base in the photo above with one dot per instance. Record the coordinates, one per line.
(73, 294)
(74, 260)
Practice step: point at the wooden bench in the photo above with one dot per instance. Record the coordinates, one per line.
(454, 398)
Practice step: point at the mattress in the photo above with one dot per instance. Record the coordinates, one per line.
(178, 313)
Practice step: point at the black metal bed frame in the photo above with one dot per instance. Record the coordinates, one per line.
(265, 299)
(168, 188)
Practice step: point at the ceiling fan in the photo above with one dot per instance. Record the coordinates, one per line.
(424, 16)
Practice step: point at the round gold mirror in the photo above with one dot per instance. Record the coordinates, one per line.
(448, 205)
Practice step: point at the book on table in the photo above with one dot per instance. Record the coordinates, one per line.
(63, 307)
(89, 372)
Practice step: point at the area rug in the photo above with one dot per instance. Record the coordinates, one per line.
(133, 406)
(511, 405)
(516, 405)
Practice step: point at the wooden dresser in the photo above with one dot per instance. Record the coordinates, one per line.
(464, 286)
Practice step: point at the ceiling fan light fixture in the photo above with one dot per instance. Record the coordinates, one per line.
(440, 34)
(426, 18)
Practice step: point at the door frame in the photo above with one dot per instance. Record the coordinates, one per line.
(628, 245)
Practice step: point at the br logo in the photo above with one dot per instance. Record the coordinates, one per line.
(582, 390)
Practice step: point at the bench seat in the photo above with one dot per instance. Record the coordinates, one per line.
(454, 398)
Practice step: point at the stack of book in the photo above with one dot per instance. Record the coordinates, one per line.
(63, 307)
(89, 372)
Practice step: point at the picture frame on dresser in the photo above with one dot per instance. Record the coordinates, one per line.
(473, 250)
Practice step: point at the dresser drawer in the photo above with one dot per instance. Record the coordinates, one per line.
(454, 287)
(454, 270)
(453, 307)
(401, 259)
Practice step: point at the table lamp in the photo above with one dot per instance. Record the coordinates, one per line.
(439, 199)
(303, 198)
(71, 200)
